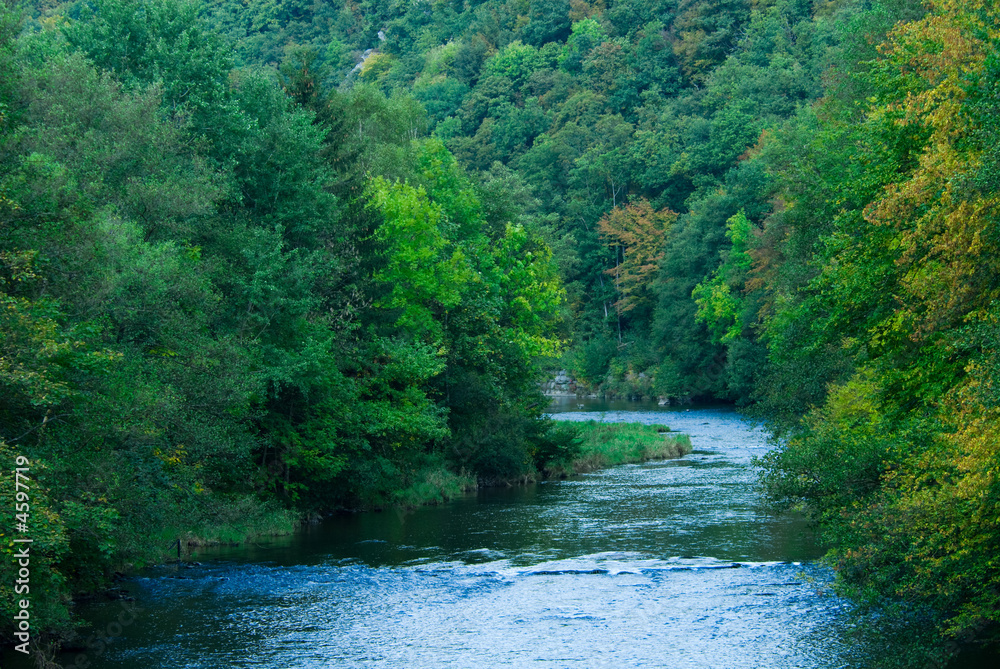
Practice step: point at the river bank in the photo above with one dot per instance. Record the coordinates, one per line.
(600, 445)
(668, 561)
(241, 524)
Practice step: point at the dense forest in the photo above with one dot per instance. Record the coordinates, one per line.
(260, 260)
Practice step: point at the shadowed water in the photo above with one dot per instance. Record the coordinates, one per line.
(666, 564)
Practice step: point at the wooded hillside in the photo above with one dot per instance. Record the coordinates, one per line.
(261, 258)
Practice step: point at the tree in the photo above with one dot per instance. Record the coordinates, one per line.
(894, 459)
(636, 233)
(161, 41)
(706, 31)
(718, 306)
(425, 271)
(548, 21)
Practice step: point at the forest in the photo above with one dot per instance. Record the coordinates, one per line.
(262, 260)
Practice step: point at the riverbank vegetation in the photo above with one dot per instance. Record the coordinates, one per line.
(294, 256)
(603, 445)
(230, 296)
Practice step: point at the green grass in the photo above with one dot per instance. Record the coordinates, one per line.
(605, 445)
(227, 522)
(435, 484)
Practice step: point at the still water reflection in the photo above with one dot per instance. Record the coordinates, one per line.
(667, 564)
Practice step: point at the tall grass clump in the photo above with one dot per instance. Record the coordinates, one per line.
(435, 483)
(603, 445)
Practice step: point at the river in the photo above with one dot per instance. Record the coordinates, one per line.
(664, 564)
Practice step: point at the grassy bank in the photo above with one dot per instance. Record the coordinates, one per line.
(604, 445)
(434, 484)
(227, 523)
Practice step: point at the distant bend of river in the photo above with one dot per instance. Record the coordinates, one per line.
(664, 564)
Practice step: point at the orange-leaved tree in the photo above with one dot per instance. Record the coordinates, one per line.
(636, 234)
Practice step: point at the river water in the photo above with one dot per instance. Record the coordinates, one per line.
(665, 564)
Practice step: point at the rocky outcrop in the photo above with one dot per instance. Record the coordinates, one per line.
(562, 385)
(361, 65)
(368, 53)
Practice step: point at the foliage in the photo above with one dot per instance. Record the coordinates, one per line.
(46, 586)
(891, 458)
(231, 297)
(373, 225)
(718, 307)
(636, 232)
(603, 445)
(424, 274)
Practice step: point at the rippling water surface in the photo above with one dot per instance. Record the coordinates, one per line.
(666, 564)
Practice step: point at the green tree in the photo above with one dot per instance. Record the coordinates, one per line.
(548, 21)
(891, 458)
(718, 306)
